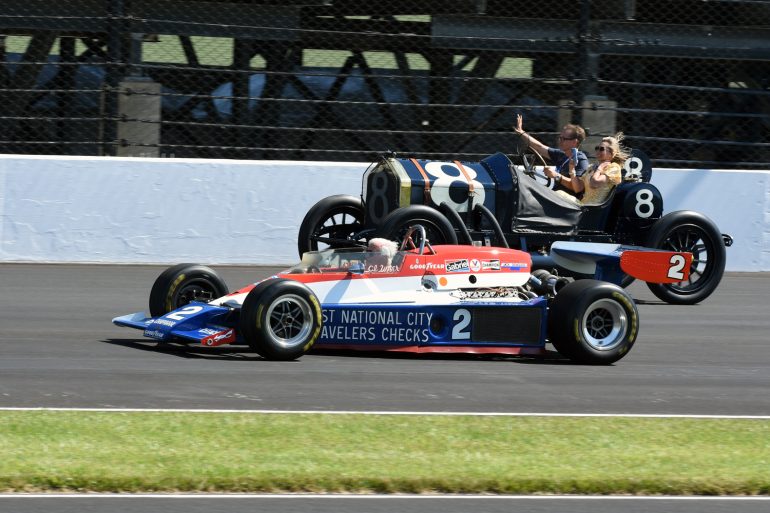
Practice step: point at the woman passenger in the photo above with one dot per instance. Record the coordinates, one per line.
(597, 182)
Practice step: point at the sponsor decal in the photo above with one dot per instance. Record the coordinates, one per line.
(164, 322)
(361, 326)
(514, 265)
(219, 338)
(475, 265)
(490, 265)
(430, 265)
(457, 266)
(154, 334)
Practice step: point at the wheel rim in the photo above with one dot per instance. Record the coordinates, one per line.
(691, 238)
(290, 321)
(339, 224)
(604, 325)
(199, 290)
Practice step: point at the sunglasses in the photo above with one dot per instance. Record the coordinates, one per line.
(567, 138)
(601, 148)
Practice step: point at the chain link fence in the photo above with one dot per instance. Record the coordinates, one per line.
(687, 81)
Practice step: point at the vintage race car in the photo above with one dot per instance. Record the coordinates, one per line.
(501, 204)
(443, 298)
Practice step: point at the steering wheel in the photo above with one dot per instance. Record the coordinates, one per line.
(529, 158)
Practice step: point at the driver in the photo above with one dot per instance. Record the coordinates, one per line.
(381, 252)
(570, 138)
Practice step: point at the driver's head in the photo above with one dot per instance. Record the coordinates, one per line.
(570, 137)
(383, 251)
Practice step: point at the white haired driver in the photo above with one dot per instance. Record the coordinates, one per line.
(381, 252)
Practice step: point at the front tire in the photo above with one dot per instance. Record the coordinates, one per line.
(183, 283)
(696, 233)
(330, 222)
(593, 322)
(280, 319)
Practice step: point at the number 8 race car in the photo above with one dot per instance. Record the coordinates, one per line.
(495, 202)
(443, 298)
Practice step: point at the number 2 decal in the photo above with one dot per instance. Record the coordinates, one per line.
(675, 272)
(179, 315)
(459, 331)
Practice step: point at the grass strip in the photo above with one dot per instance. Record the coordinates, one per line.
(233, 452)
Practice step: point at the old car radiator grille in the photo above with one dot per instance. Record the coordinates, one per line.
(506, 324)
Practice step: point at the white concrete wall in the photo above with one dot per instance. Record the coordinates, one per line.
(125, 210)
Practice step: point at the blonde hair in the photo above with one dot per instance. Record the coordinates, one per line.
(619, 152)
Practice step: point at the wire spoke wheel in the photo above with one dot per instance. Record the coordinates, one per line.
(333, 222)
(694, 240)
(338, 226)
(691, 232)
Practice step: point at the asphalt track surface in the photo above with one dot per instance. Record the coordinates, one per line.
(58, 348)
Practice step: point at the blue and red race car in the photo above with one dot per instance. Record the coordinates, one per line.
(443, 298)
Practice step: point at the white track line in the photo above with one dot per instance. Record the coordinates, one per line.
(413, 413)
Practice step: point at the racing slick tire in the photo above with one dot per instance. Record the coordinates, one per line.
(183, 283)
(280, 319)
(337, 217)
(689, 231)
(438, 229)
(593, 322)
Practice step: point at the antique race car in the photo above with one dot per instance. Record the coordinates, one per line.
(501, 204)
(443, 298)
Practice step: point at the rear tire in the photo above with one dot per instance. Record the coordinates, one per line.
(280, 319)
(593, 322)
(438, 229)
(696, 233)
(183, 283)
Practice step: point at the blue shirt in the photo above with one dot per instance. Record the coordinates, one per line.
(560, 161)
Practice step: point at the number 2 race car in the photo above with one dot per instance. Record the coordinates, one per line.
(498, 203)
(443, 298)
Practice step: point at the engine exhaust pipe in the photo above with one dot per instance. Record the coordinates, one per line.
(543, 282)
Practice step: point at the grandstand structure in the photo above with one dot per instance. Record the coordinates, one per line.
(687, 81)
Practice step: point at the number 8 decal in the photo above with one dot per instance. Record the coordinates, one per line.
(442, 183)
(644, 206)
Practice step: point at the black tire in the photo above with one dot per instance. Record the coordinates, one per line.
(331, 221)
(183, 283)
(593, 322)
(438, 229)
(689, 231)
(280, 319)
